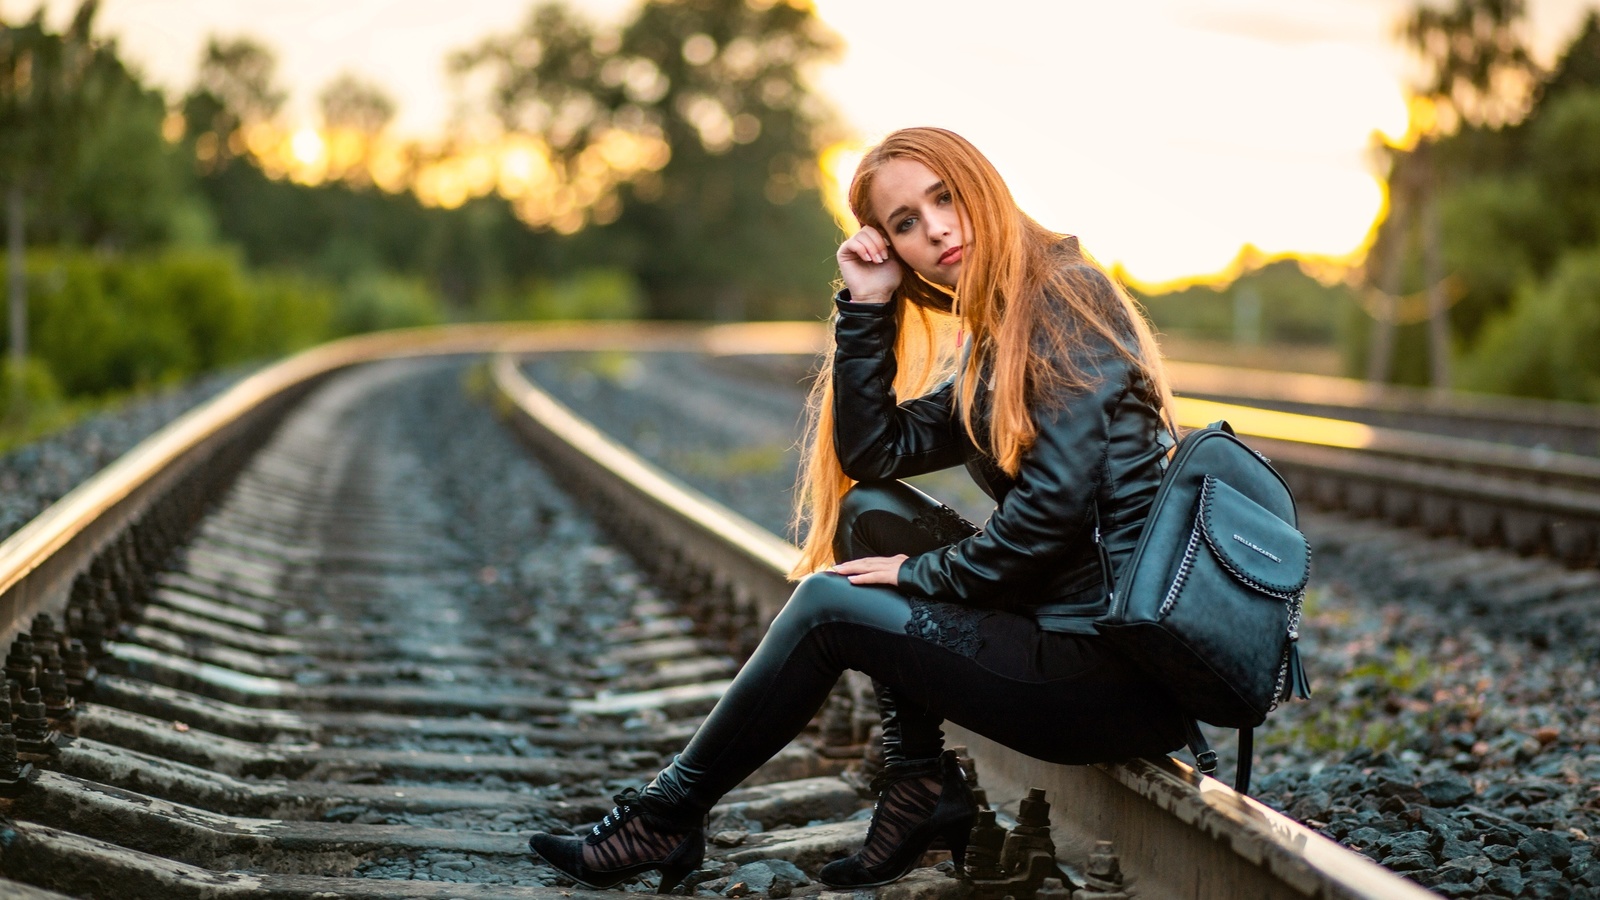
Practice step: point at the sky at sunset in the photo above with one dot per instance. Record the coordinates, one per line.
(1166, 133)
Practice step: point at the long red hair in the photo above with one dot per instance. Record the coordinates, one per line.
(1029, 300)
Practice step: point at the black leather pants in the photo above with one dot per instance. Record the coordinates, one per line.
(883, 519)
(1064, 698)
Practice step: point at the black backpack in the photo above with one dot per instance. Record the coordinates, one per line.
(1210, 604)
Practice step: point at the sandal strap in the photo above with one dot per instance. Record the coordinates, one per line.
(896, 772)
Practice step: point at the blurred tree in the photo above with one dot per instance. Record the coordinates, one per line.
(131, 188)
(1504, 192)
(51, 87)
(350, 102)
(1267, 301)
(355, 113)
(1479, 74)
(732, 226)
(1579, 67)
(1479, 69)
(338, 231)
(235, 89)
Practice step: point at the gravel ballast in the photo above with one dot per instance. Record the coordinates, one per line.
(39, 473)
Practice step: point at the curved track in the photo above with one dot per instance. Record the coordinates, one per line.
(310, 684)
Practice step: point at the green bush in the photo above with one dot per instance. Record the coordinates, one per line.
(105, 324)
(373, 301)
(27, 392)
(1498, 235)
(290, 311)
(1287, 306)
(591, 294)
(1543, 346)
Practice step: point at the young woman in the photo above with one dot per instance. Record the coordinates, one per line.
(1056, 407)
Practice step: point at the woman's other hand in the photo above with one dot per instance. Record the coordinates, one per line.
(872, 570)
(869, 268)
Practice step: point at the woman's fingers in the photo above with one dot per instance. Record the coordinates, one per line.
(869, 270)
(868, 245)
(872, 569)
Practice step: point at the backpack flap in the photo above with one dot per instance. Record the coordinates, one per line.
(1257, 547)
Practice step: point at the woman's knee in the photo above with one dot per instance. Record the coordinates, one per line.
(895, 497)
(827, 598)
(876, 518)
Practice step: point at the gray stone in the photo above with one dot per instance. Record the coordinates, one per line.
(1408, 841)
(1546, 845)
(1365, 836)
(1449, 791)
(752, 878)
(1547, 888)
(1395, 789)
(1441, 823)
(808, 848)
(1312, 805)
(735, 820)
(1500, 853)
(1504, 880)
(927, 884)
(1470, 865)
(1459, 888)
(1411, 861)
(762, 876)
(712, 887)
(1451, 848)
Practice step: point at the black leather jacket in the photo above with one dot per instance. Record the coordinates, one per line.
(1104, 445)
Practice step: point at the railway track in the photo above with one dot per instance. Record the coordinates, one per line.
(329, 660)
(1495, 471)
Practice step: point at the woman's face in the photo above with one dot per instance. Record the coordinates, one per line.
(928, 231)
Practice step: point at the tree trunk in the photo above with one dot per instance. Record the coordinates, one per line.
(1380, 355)
(1438, 296)
(16, 266)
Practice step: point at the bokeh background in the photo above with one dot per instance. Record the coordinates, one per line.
(1399, 191)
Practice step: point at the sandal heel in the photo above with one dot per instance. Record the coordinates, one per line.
(672, 876)
(950, 818)
(955, 837)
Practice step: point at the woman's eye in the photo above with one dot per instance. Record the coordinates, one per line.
(904, 225)
(945, 198)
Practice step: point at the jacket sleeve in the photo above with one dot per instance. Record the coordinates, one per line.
(1038, 525)
(875, 437)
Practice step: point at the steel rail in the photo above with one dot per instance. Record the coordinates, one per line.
(1179, 834)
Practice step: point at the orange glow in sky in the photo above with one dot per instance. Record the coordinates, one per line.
(1166, 133)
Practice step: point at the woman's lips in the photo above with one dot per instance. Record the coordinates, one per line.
(950, 256)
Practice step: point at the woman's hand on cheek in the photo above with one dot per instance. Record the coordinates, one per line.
(872, 570)
(868, 267)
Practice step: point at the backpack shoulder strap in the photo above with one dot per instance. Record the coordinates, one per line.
(1205, 758)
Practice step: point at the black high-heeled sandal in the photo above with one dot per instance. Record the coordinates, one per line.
(897, 837)
(635, 837)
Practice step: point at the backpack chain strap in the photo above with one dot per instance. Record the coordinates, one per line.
(1189, 553)
(1288, 650)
